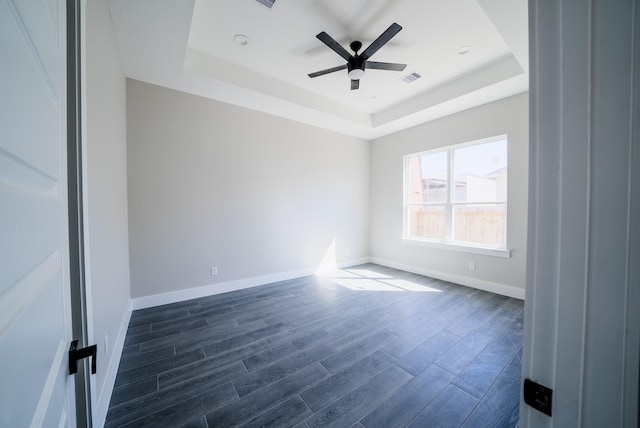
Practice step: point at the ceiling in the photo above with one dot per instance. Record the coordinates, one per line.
(188, 45)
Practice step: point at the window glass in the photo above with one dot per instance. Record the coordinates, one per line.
(481, 172)
(432, 170)
(466, 205)
(427, 221)
(480, 224)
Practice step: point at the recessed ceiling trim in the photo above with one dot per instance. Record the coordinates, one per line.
(489, 75)
(206, 65)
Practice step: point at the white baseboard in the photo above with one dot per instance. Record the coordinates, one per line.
(104, 398)
(240, 284)
(493, 287)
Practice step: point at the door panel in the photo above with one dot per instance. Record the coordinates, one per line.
(582, 325)
(35, 320)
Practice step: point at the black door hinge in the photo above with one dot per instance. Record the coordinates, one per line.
(538, 396)
(76, 354)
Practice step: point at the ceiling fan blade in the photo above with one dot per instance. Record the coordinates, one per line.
(380, 41)
(355, 84)
(327, 71)
(384, 66)
(335, 46)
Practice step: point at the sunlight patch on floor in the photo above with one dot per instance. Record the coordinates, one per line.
(364, 284)
(369, 280)
(367, 273)
(410, 285)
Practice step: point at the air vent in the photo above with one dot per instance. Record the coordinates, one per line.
(411, 77)
(267, 3)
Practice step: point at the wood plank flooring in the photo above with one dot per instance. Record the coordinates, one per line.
(367, 346)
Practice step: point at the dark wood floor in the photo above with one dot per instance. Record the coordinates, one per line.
(367, 346)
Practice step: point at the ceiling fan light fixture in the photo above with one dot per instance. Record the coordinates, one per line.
(356, 74)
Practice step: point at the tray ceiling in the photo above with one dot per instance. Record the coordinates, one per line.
(189, 45)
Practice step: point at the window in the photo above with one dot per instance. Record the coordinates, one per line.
(458, 195)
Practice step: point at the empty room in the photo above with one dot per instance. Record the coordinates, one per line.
(260, 213)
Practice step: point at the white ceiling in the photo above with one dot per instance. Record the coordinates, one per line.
(188, 45)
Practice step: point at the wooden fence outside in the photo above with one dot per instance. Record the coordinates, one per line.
(480, 224)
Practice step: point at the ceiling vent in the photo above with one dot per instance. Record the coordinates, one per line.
(267, 3)
(411, 77)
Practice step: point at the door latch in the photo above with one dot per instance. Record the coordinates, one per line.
(76, 354)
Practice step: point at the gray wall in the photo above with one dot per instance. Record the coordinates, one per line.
(105, 182)
(212, 184)
(508, 116)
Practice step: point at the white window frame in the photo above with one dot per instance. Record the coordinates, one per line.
(448, 242)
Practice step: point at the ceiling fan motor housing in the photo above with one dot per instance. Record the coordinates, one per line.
(355, 63)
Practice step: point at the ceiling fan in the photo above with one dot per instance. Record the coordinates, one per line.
(357, 63)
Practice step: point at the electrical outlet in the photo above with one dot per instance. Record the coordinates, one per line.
(106, 345)
(214, 271)
(472, 266)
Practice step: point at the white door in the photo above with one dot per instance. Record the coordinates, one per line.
(582, 322)
(35, 314)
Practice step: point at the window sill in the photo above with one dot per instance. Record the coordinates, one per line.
(457, 247)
